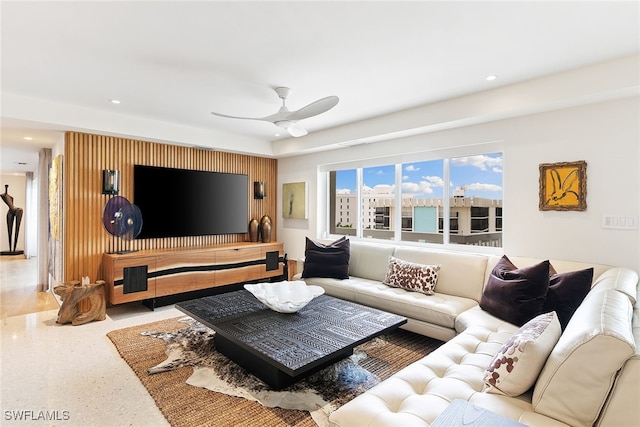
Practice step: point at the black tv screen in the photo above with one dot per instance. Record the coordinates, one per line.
(181, 202)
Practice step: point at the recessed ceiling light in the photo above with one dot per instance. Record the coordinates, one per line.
(491, 77)
(114, 101)
(27, 138)
(277, 134)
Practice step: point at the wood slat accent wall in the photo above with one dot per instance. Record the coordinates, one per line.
(86, 155)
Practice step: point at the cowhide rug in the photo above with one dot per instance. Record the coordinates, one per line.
(320, 394)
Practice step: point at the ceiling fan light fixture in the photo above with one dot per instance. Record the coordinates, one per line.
(285, 124)
(296, 131)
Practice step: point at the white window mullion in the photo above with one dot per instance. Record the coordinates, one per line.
(397, 216)
(359, 204)
(446, 198)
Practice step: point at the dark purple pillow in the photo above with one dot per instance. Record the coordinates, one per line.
(330, 260)
(516, 295)
(566, 292)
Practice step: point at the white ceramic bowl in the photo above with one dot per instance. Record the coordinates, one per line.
(286, 296)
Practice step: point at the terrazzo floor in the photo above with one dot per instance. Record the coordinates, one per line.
(63, 375)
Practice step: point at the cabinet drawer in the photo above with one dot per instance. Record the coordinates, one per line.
(237, 255)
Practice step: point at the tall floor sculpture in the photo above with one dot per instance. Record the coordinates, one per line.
(14, 218)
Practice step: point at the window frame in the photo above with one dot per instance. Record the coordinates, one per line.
(398, 160)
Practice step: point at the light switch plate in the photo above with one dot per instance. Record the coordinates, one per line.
(620, 222)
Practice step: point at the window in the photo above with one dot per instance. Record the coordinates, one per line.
(477, 195)
(466, 210)
(378, 192)
(422, 192)
(344, 184)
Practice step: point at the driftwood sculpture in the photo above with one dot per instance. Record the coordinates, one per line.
(73, 294)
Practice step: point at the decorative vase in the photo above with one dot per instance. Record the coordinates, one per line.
(265, 228)
(253, 230)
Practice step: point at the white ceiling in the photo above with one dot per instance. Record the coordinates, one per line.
(175, 62)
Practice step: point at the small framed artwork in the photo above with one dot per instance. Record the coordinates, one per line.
(294, 200)
(563, 186)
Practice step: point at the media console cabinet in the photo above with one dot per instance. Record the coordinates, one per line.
(150, 274)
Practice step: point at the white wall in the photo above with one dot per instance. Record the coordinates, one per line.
(606, 135)
(18, 190)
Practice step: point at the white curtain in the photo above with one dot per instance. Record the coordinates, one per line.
(44, 162)
(31, 217)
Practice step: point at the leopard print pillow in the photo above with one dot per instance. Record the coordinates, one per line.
(411, 276)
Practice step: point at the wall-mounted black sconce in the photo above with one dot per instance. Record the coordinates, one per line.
(258, 190)
(110, 181)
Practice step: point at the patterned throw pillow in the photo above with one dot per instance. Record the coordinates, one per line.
(517, 365)
(411, 276)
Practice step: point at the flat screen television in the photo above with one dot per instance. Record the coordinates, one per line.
(181, 202)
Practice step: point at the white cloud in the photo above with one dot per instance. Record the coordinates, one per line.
(481, 162)
(417, 188)
(411, 168)
(383, 189)
(478, 186)
(378, 189)
(426, 186)
(434, 181)
(343, 191)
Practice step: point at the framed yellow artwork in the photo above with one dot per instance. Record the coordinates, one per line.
(563, 186)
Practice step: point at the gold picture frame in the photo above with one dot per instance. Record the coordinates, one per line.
(563, 186)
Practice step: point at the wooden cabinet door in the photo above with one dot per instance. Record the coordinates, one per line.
(130, 279)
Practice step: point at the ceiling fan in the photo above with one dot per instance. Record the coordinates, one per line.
(288, 119)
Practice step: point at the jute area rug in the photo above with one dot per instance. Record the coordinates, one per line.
(168, 355)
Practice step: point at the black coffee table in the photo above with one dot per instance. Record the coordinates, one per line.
(281, 349)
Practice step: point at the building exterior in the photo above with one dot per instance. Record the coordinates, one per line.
(472, 220)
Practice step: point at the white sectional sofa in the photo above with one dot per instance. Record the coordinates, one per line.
(591, 377)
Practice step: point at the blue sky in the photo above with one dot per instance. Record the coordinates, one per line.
(481, 175)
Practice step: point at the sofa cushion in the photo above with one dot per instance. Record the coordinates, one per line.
(438, 309)
(369, 261)
(460, 274)
(580, 371)
(518, 363)
(330, 260)
(476, 316)
(566, 292)
(514, 294)
(411, 276)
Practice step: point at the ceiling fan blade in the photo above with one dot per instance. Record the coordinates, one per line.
(296, 131)
(318, 107)
(268, 118)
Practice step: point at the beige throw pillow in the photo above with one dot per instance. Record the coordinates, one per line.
(517, 365)
(411, 276)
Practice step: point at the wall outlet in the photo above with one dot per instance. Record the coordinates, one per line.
(620, 222)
